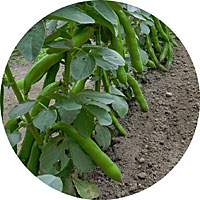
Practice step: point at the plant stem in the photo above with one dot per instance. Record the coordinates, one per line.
(99, 70)
(20, 99)
(67, 70)
(2, 98)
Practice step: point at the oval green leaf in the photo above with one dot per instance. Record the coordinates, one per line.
(82, 66)
(31, 43)
(52, 181)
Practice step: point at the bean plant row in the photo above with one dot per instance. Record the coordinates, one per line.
(69, 125)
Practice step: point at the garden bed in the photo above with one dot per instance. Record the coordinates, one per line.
(156, 140)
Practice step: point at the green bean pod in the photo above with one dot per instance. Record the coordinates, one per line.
(151, 64)
(170, 56)
(39, 69)
(160, 29)
(153, 55)
(138, 93)
(12, 124)
(166, 28)
(131, 41)
(20, 84)
(117, 125)
(28, 140)
(155, 39)
(51, 74)
(79, 86)
(83, 36)
(33, 162)
(164, 51)
(117, 46)
(92, 149)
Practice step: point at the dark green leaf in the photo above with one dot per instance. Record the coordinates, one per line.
(21, 109)
(105, 64)
(85, 189)
(102, 115)
(14, 138)
(97, 96)
(73, 14)
(144, 56)
(30, 45)
(63, 44)
(131, 8)
(120, 106)
(44, 119)
(68, 187)
(102, 136)
(52, 181)
(82, 66)
(51, 25)
(111, 56)
(115, 91)
(68, 116)
(99, 104)
(102, 21)
(53, 153)
(105, 10)
(80, 159)
(84, 124)
(144, 28)
(68, 104)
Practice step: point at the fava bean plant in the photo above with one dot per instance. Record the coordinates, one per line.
(68, 125)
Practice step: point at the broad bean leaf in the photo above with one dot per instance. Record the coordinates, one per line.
(144, 28)
(102, 115)
(144, 56)
(84, 124)
(44, 119)
(53, 158)
(68, 104)
(52, 181)
(68, 187)
(68, 116)
(105, 64)
(105, 11)
(82, 66)
(80, 159)
(85, 189)
(21, 109)
(14, 138)
(120, 106)
(31, 43)
(61, 45)
(99, 104)
(102, 21)
(111, 56)
(102, 136)
(73, 14)
(115, 91)
(97, 96)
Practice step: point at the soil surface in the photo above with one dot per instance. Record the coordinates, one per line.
(155, 140)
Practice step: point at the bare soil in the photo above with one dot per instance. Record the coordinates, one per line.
(156, 140)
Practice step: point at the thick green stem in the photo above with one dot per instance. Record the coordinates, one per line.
(67, 70)
(20, 99)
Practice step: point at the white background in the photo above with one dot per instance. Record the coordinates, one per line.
(182, 17)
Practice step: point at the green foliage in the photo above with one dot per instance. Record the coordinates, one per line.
(98, 42)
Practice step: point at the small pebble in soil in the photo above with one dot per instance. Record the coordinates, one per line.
(141, 160)
(142, 175)
(168, 94)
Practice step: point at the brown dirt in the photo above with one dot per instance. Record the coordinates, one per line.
(156, 140)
